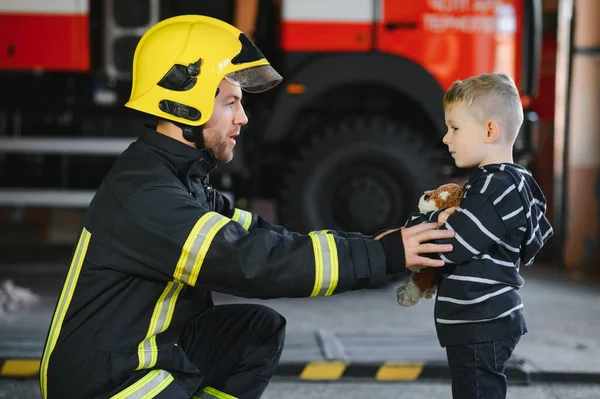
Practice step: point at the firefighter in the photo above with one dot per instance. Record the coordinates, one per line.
(135, 318)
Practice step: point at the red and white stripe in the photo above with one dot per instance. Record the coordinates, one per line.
(328, 10)
(69, 7)
(328, 25)
(48, 35)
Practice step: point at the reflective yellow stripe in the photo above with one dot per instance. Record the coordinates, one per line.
(196, 246)
(399, 372)
(182, 267)
(160, 321)
(242, 217)
(318, 263)
(335, 265)
(63, 304)
(326, 264)
(237, 213)
(205, 246)
(188, 267)
(147, 387)
(323, 371)
(212, 393)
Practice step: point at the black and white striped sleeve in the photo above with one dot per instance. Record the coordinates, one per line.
(418, 218)
(481, 221)
(476, 225)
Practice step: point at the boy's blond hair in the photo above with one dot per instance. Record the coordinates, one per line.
(491, 96)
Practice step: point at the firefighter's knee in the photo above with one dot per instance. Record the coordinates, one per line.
(276, 327)
(269, 319)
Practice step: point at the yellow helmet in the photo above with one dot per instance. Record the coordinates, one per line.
(179, 63)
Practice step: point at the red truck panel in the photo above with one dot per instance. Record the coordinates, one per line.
(51, 42)
(455, 39)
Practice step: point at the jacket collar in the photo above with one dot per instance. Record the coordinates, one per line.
(189, 163)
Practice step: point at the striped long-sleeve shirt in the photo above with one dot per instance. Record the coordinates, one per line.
(499, 227)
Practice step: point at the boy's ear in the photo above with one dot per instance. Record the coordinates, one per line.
(493, 132)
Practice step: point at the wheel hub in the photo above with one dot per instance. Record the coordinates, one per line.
(366, 202)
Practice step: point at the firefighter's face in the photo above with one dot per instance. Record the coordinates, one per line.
(225, 123)
(466, 136)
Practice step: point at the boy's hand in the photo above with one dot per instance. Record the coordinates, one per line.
(443, 216)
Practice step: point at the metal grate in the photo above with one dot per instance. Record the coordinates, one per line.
(131, 13)
(125, 23)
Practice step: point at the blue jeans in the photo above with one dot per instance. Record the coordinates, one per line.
(478, 369)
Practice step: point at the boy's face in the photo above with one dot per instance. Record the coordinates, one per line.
(465, 137)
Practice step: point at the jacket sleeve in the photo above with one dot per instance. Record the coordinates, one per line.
(173, 237)
(250, 221)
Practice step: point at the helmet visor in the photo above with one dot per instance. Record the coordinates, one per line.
(256, 79)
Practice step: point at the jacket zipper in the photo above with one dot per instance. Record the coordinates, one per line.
(210, 193)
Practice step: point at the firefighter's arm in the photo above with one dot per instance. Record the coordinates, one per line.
(172, 237)
(250, 221)
(265, 264)
(246, 219)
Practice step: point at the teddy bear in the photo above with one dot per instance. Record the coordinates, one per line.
(423, 283)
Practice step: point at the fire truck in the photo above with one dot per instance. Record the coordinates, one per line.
(349, 140)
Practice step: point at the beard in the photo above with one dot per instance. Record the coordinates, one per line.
(221, 150)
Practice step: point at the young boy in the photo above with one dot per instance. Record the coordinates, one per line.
(499, 227)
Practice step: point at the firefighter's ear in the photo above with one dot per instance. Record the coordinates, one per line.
(492, 132)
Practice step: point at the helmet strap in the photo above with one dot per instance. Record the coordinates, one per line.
(193, 134)
(196, 136)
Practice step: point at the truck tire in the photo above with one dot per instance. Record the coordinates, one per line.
(363, 175)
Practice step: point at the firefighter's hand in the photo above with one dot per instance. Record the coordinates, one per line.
(416, 243)
(443, 216)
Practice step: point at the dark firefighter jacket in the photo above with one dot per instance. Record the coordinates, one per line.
(156, 240)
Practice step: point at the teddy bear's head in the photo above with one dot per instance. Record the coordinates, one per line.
(445, 196)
